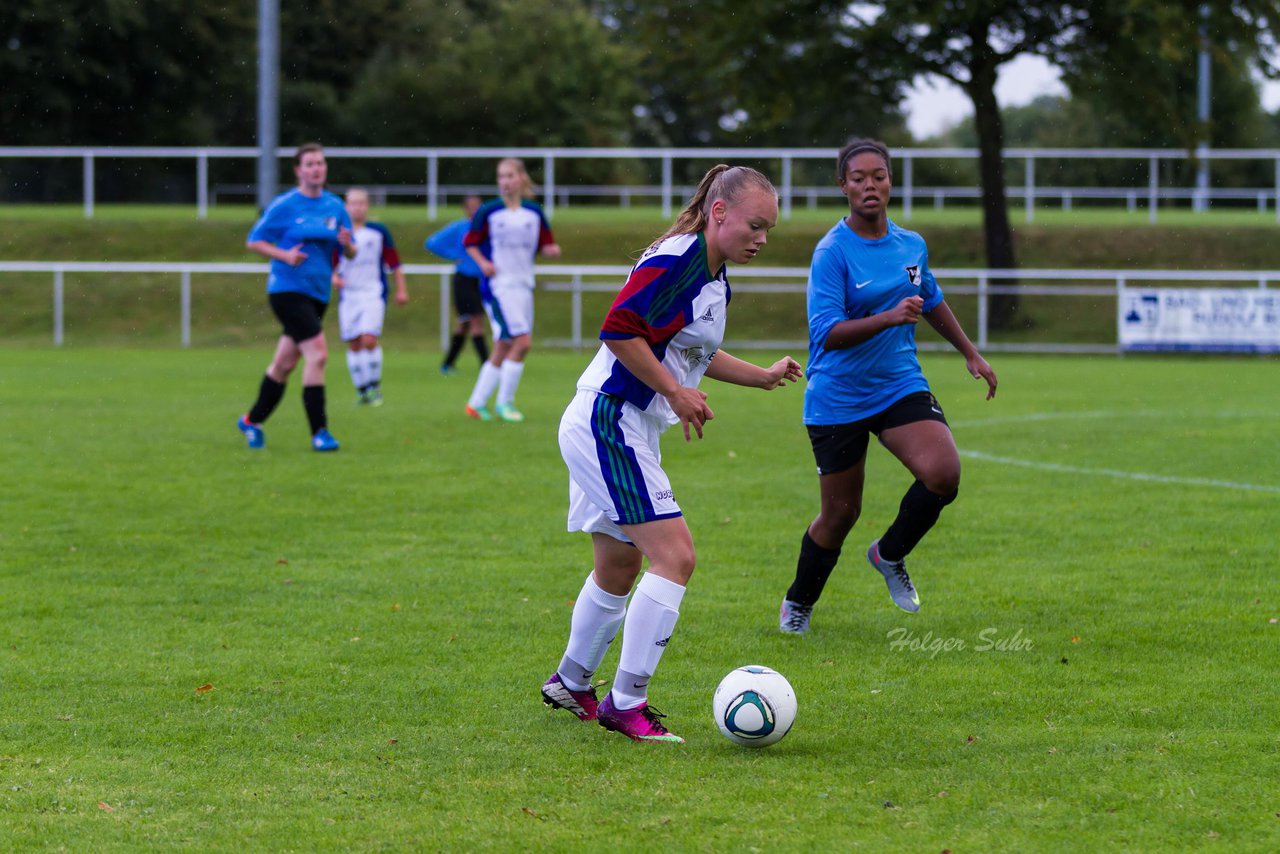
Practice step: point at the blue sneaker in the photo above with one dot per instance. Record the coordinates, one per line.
(901, 590)
(324, 441)
(252, 432)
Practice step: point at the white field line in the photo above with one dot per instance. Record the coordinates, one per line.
(1113, 473)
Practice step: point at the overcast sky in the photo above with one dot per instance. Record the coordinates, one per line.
(935, 104)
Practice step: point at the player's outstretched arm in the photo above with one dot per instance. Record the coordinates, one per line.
(731, 369)
(944, 321)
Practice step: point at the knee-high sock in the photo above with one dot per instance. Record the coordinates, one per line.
(373, 365)
(917, 513)
(455, 347)
(355, 366)
(655, 607)
(597, 616)
(485, 384)
(509, 381)
(313, 403)
(812, 570)
(269, 394)
(482, 349)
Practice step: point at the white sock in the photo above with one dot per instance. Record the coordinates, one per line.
(597, 616)
(373, 364)
(355, 364)
(510, 381)
(655, 607)
(485, 384)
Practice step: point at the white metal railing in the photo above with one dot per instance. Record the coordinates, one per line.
(786, 158)
(577, 280)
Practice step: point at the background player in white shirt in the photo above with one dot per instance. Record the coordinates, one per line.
(506, 235)
(661, 336)
(362, 296)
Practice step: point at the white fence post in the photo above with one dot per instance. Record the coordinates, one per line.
(786, 188)
(666, 186)
(982, 311)
(57, 308)
(1029, 173)
(202, 186)
(433, 185)
(576, 301)
(1153, 172)
(186, 308)
(444, 313)
(549, 185)
(88, 185)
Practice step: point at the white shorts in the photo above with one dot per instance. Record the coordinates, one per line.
(509, 305)
(361, 314)
(615, 466)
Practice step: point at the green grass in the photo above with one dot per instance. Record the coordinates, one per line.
(375, 623)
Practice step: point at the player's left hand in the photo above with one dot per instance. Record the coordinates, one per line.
(980, 370)
(781, 372)
(551, 250)
(344, 236)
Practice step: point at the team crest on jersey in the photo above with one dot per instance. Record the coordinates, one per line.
(694, 356)
(913, 274)
(331, 223)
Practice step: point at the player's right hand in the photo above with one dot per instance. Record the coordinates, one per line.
(295, 256)
(486, 267)
(690, 406)
(907, 311)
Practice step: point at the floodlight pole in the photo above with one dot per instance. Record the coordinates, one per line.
(1202, 116)
(268, 99)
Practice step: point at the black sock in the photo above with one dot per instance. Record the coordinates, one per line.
(313, 402)
(917, 513)
(269, 394)
(812, 569)
(482, 349)
(455, 347)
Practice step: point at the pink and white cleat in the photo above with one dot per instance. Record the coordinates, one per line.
(643, 723)
(558, 695)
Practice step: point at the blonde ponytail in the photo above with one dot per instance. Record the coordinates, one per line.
(722, 181)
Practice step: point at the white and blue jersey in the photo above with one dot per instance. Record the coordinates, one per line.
(510, 239)
(365, 275)
(447, 243)
(294, 219)
(677, 305)
(609, 433)
(850, 278)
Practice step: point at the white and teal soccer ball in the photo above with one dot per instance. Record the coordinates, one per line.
(754, 706)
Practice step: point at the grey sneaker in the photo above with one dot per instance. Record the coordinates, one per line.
(793, 618)
(901, 590)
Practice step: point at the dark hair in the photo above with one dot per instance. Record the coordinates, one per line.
(721, 182)
(857, 146)
(304, 149)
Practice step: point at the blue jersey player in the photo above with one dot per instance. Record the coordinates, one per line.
(661, 336)
(302, 231)
(869, 285)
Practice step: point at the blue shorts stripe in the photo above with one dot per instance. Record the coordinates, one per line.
(622, 473)
(495, 307)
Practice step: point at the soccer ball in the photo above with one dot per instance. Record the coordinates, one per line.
(754, 706)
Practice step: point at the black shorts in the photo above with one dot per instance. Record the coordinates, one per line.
(301, 316)
(466, 296)
(840, 447)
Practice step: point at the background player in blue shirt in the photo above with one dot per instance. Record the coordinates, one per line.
(467, 302)
(869, 284)
(302, 232)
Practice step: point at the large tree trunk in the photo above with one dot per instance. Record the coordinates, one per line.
(995, 212)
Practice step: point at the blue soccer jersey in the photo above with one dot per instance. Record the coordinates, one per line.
(677, 305)
(447, 243)
(293, 219)
(850, 278)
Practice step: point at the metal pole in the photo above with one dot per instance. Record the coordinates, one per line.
(577, 311)
(1278, 189)
(666, 186)
(186, 308)
(57, 308)
(88, 185)
(1202, 115)
(433, 186)
(549, 188)
(786, 188)
(268, 99)
(202, 186)
(1030, 180)
(982, 311)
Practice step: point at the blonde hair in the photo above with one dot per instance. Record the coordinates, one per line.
(527, 189)
(722, 181)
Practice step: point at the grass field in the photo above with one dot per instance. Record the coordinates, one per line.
(210, 649)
